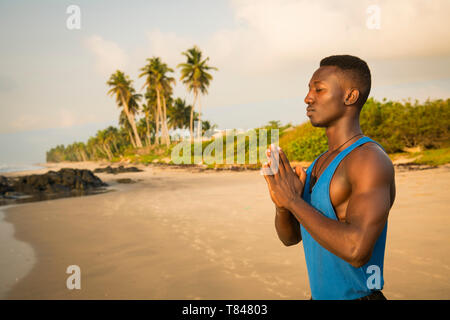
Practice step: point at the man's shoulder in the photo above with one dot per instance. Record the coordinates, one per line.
(368, 160)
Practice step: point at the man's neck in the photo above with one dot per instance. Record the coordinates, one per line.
(341, 131)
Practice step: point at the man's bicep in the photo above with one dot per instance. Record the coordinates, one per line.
(368, 209)
(370, 178)
(370, 202)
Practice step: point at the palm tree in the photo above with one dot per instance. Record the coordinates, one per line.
(121, 88)
(143, 131)
(195, 76)
(147, 109)
(133, 102)
(125, 125)
(102, 139)
(112, 134)
(156, 72)
(151, 113)
(178, 113)
(94, 144)
(206, 125)
(81, 150)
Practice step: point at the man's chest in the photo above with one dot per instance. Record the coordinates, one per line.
(340, 191)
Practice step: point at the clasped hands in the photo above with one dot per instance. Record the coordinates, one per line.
(285, 184)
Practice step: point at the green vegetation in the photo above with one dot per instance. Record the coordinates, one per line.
(396, 126)
(433, 157)
(419, 132)
(194, 74)
(136, 140)
(304, 143)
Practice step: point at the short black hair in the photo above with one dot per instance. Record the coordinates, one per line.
(357, 69)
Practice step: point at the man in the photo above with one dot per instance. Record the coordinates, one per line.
(340, 205)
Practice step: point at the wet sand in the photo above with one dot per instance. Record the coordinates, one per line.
(177, 234)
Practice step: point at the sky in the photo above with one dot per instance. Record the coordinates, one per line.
(53, 78)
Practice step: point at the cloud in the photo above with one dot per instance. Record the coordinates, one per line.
(109, 56)
(275, 45)
(168, 46)
(287, 31)
(305, 30)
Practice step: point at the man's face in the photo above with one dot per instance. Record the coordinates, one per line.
(325, 98)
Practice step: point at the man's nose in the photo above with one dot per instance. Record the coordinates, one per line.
(308, 99)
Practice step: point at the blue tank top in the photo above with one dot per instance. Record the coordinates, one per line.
(330, 277)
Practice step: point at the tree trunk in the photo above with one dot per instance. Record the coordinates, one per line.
(157, 135)
(167, 137)
(155, 118)
(133, 143)
(199, 127)
(83, 155)
(133, 126)
(131, 139)
(158, 103)
(191, 123)
(149, 141)
(107, 152)
(110, 156)
(115, 145)
(132, 123)
(99, 150)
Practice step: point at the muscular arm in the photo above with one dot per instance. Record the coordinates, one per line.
(287, 226)
(370, 174)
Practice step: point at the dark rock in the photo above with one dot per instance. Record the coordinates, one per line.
(60, 188)
(134, 169)
(413, 166)
(63, 181)
(126, 180)
(15, 195)
(5, 185)
(120, 169)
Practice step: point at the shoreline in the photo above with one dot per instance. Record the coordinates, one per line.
(177, 234)
(400, 164)
(130, 245)
(17, 257)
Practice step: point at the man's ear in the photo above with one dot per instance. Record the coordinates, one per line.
(351, 96)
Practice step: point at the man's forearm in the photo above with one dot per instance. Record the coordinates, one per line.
(337, 237)
(287, 226)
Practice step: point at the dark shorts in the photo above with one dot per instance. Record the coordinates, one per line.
(376, 295)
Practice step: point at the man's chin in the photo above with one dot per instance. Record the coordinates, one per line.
(317, 125)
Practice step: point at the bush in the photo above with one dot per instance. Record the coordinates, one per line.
(304, 143)
(397, 126)
(394, 125)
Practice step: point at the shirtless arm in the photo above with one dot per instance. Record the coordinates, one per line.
(287, 226)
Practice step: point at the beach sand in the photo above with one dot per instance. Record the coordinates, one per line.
(177, 234)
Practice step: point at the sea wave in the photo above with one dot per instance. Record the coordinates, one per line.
(18, 167)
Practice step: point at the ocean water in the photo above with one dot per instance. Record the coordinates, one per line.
(18, 257)
(18, 167)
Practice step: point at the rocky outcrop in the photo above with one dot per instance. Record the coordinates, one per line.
(412, 166)
(120, 169)
(64, 181)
